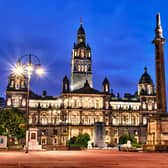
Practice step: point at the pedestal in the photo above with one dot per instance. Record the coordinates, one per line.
(3, 142)
(99, 135)
(33, 142)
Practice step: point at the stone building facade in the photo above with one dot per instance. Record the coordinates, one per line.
(80, 107)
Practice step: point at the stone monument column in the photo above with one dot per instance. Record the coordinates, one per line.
(159, 41)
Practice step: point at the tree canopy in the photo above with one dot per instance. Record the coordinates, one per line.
(12, 123)
(81, 140)
(124, 138)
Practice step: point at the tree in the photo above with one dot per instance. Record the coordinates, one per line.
(81, 140)
(124, 138)
(12, 123)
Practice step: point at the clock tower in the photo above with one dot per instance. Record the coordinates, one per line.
(81, 64)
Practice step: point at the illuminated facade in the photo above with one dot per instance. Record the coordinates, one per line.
(80, 106)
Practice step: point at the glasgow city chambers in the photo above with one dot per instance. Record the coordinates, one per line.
(80, 107)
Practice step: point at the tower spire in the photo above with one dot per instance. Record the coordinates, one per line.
(158, 30)
(81, 21)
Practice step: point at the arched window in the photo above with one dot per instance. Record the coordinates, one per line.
(44, 119)
(79, 68)
(82, 53)
(106, 88)
(12, 83)
(85, 68)
(88, 54)
(82, 68)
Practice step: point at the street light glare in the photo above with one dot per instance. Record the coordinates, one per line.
(18, 69)
(29, 69)
(40, 71)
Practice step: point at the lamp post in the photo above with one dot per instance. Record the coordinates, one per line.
(27, 65)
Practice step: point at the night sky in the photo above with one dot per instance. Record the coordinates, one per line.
(119, 32)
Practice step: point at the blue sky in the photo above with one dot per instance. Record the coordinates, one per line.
(120, 34)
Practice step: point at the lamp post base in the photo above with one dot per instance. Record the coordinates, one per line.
(27, 142)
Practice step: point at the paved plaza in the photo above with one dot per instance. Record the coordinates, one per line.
(83, 159)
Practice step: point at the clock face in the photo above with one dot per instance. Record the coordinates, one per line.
(81, 40)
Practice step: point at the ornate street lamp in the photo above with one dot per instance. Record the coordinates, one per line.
(27, 65)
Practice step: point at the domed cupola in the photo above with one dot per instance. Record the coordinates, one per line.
(145, 78)
(145, 85)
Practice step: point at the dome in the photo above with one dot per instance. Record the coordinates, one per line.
(81, 30)
(145, 78)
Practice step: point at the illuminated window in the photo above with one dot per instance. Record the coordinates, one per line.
(106, 88)
(135, 132)
(85, 68)
(12, 83)
(125, 120)
(9, 102)
(22, 84)
(75, 119)
(23, 102)
(97, 103)
(79, 68)
(81, 40)
(144, 121)
(150, 106)
(44, 120)
(155, 106)
(106, 105)
(86, 120)
(115, 120)
(82, 68)
(144, 106)
(82, 53)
